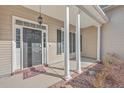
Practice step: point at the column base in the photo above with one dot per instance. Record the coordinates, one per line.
(98, 61)
(67, 77)
(46, 65)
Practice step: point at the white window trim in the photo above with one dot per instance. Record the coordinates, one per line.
(13, 61)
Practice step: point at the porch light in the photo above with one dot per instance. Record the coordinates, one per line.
(40, 19)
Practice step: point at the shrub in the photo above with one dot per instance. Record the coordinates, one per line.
(102, 73)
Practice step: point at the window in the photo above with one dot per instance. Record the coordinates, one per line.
(74, 43)
(29, 24)
(58, 41)
(81, 42)
(18, 22)
(62, 41)
(70, 42)
(44, 40)
(17, 38)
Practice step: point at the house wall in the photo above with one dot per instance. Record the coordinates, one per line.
(6, 13)
(113, 32)
(89, 42)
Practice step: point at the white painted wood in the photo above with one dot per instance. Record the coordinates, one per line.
(66, 45)
(21, 47)
(47, 46)
(78, 56)
(98, 43)
(14, 56)
(13, 45)
(19, 51)
(44, 49)
(23, 19)
(57, 12)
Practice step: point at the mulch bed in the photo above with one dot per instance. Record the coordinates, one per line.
(114, 78)
(75, 81)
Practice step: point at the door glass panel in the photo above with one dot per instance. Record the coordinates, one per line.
(32, 47)
(17, 38)
(44, 39)
(62, 41)
(44, 48)
(17, 48)
(36, 48)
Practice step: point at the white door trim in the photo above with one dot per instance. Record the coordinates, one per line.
(47, 45)
(14, 18)
(13, 45)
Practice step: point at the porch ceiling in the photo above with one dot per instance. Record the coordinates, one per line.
(89, 15)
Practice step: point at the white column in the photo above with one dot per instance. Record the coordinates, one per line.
(98, 43)
(66, 44)
(78, 56)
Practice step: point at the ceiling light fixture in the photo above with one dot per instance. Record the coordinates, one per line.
(40, 19)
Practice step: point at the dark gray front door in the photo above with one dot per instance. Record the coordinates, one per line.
(32, 47)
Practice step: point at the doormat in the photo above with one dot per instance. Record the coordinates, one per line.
(33, 71)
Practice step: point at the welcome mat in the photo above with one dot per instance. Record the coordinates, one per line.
(33, 71)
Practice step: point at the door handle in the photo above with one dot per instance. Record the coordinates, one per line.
(40, 46)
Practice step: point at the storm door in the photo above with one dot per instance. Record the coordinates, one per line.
(32, 47)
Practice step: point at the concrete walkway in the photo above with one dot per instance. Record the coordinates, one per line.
(55, 73)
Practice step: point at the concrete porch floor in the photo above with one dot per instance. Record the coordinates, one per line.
(55, 73)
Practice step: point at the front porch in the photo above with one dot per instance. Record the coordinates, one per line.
(48, 47)
(54, 74)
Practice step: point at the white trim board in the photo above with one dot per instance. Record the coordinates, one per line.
(21, 46)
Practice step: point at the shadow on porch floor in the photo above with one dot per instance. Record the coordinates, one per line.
(54, 73)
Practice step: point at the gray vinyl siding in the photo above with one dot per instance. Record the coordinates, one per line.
(113, 32)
